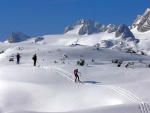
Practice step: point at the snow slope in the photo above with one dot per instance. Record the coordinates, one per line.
(49, 87)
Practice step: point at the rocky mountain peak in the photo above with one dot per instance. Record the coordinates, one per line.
(17, 37)
(82, 21)
(124, 32)
(111, 28)
(90, 27)
(147, 10)
(142, 22)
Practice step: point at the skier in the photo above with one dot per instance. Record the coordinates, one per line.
(34, 59)
(76, 75)
(18, 58)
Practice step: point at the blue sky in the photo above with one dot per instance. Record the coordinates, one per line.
(43, 17)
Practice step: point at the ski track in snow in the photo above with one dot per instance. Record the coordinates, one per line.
(144, 106)
(60, 71)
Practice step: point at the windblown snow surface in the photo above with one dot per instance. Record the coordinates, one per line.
(49, 87)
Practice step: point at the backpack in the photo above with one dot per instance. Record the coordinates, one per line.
(18, 56)
(75, 71)
(33, 58)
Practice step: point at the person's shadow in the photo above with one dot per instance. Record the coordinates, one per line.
(91, 82)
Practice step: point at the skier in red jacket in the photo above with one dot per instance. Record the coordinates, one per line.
(76, 75)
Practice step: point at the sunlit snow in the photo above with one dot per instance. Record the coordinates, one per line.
(49, 87)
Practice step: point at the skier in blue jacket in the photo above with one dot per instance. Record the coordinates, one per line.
(18, 58)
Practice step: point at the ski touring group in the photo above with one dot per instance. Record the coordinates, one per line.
(34, 58)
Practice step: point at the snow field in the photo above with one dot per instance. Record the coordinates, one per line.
(50, 87)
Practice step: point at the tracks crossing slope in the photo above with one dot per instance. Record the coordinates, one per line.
(143, 106)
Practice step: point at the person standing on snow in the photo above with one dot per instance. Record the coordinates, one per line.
(76, 75)
(34, 59)
(18, 58)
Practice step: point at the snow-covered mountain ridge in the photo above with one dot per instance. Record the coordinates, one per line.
(89, 27)
(135, 37)
(90, 33)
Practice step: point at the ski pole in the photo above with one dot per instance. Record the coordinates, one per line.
(38, 63)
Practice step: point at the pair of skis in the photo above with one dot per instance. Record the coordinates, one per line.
(79, 82)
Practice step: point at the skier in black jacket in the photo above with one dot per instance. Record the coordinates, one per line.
(34, 59)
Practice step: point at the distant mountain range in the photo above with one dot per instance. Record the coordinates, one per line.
(142, 24)
(89, 27)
